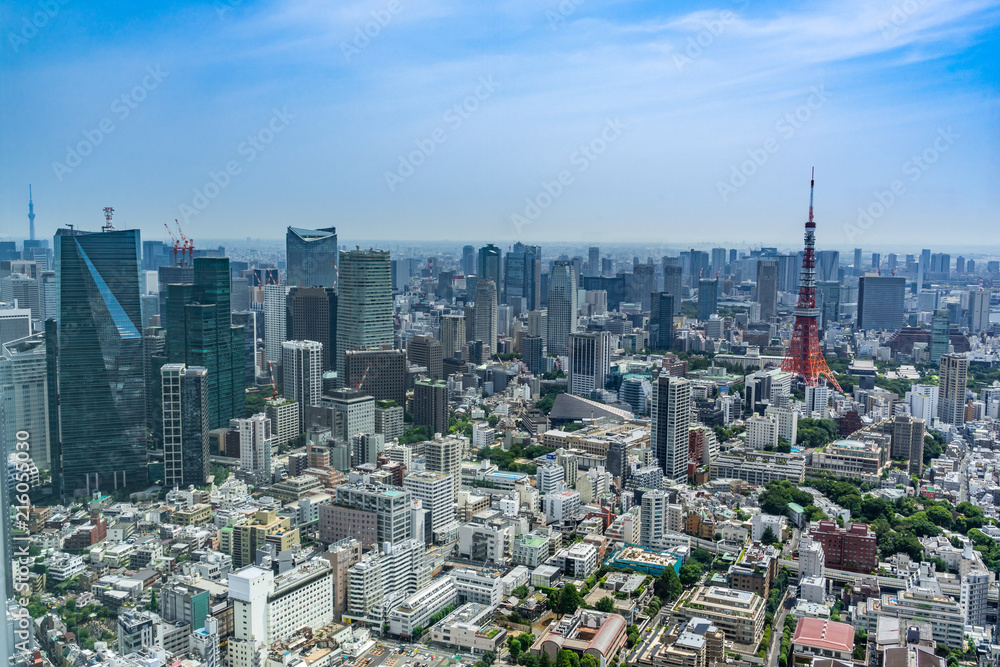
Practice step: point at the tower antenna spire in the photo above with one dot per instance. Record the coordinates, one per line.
(804, 356)
(31, 215)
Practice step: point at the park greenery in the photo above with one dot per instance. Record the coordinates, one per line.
(505, 458)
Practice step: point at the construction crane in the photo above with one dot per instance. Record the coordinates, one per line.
(274, 386)
(358, 385)
(188, 246)
(108, 212)
(177, 244)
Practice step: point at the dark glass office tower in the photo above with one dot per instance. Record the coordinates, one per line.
(99, 362)
(661, 321)
(311, 257)
(200, 333)
(522, 275)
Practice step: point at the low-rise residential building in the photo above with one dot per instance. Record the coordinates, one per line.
(816, 638)
(577, 560)
(740, 614)
(685, 644)
(755, 569)
(530, 550)
(469, 628)
(416, 610)
(760, 467)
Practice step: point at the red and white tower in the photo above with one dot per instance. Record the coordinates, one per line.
(804, 357)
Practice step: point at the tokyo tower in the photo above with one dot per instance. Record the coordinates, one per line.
(804, 357)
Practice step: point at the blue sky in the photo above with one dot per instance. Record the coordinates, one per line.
(516, 119)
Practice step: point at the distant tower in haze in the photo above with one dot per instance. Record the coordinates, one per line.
(804, 357)
(31, 216)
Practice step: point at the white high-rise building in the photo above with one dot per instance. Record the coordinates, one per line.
(589, 361)
(562, 306)
(550, 478)
(269, 608)
(387, 575)
(654, 519)
(974, 591)
(437, 493)
(24, 398)
(762, 431)
(275, 319)
(445, 455)
(302, 373)
(670, 419)
(256, 455)
(922, 400)
(788, 422)
(979, 311)
(185, 424)
(817, 400)
(452, 335)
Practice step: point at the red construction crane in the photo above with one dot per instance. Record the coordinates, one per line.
(177, 244)
(274, 386)
(357, 385)
(188, 244)
(108, 211)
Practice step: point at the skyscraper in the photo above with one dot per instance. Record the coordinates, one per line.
(275, 321)
(185, 425)
(767, 288)
(562, 306)
(98, 365)
(430, 405)
(452, 336)
(15, 323)
(364, 306)
(953, 371)
(979, 310)
(708, 298)
(858, 270)
(427, 352)
(672, 284)
(311, 256)
(488, 266)
(302, 373)
(256, 456)
(24, 399)
(486, 314)
(468, 260)
(25, 290)
(718, 260)
(643, 285)
(670, 418)
(940, 334)
(312, 315)
(589, 361)
(532, 352)
(880, 302)
(200, 333)
(908, 442)
(594, 260)
(522, 276)
(661, 321)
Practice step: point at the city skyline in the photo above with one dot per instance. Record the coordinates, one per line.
(275, 113)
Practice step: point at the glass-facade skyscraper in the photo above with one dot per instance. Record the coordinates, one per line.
(364, 305)
(101, 442)
(311, 256)
(200, 333)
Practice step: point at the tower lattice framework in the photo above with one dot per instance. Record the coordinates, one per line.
(804, 357)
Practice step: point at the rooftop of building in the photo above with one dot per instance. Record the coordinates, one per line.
(821, 633)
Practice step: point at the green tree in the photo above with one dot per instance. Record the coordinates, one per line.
(768, 537)
(690, 574)
(589, 661)
(154, 604)
(667, 585)
(570, 599)
(939, 516)
(605, 605)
